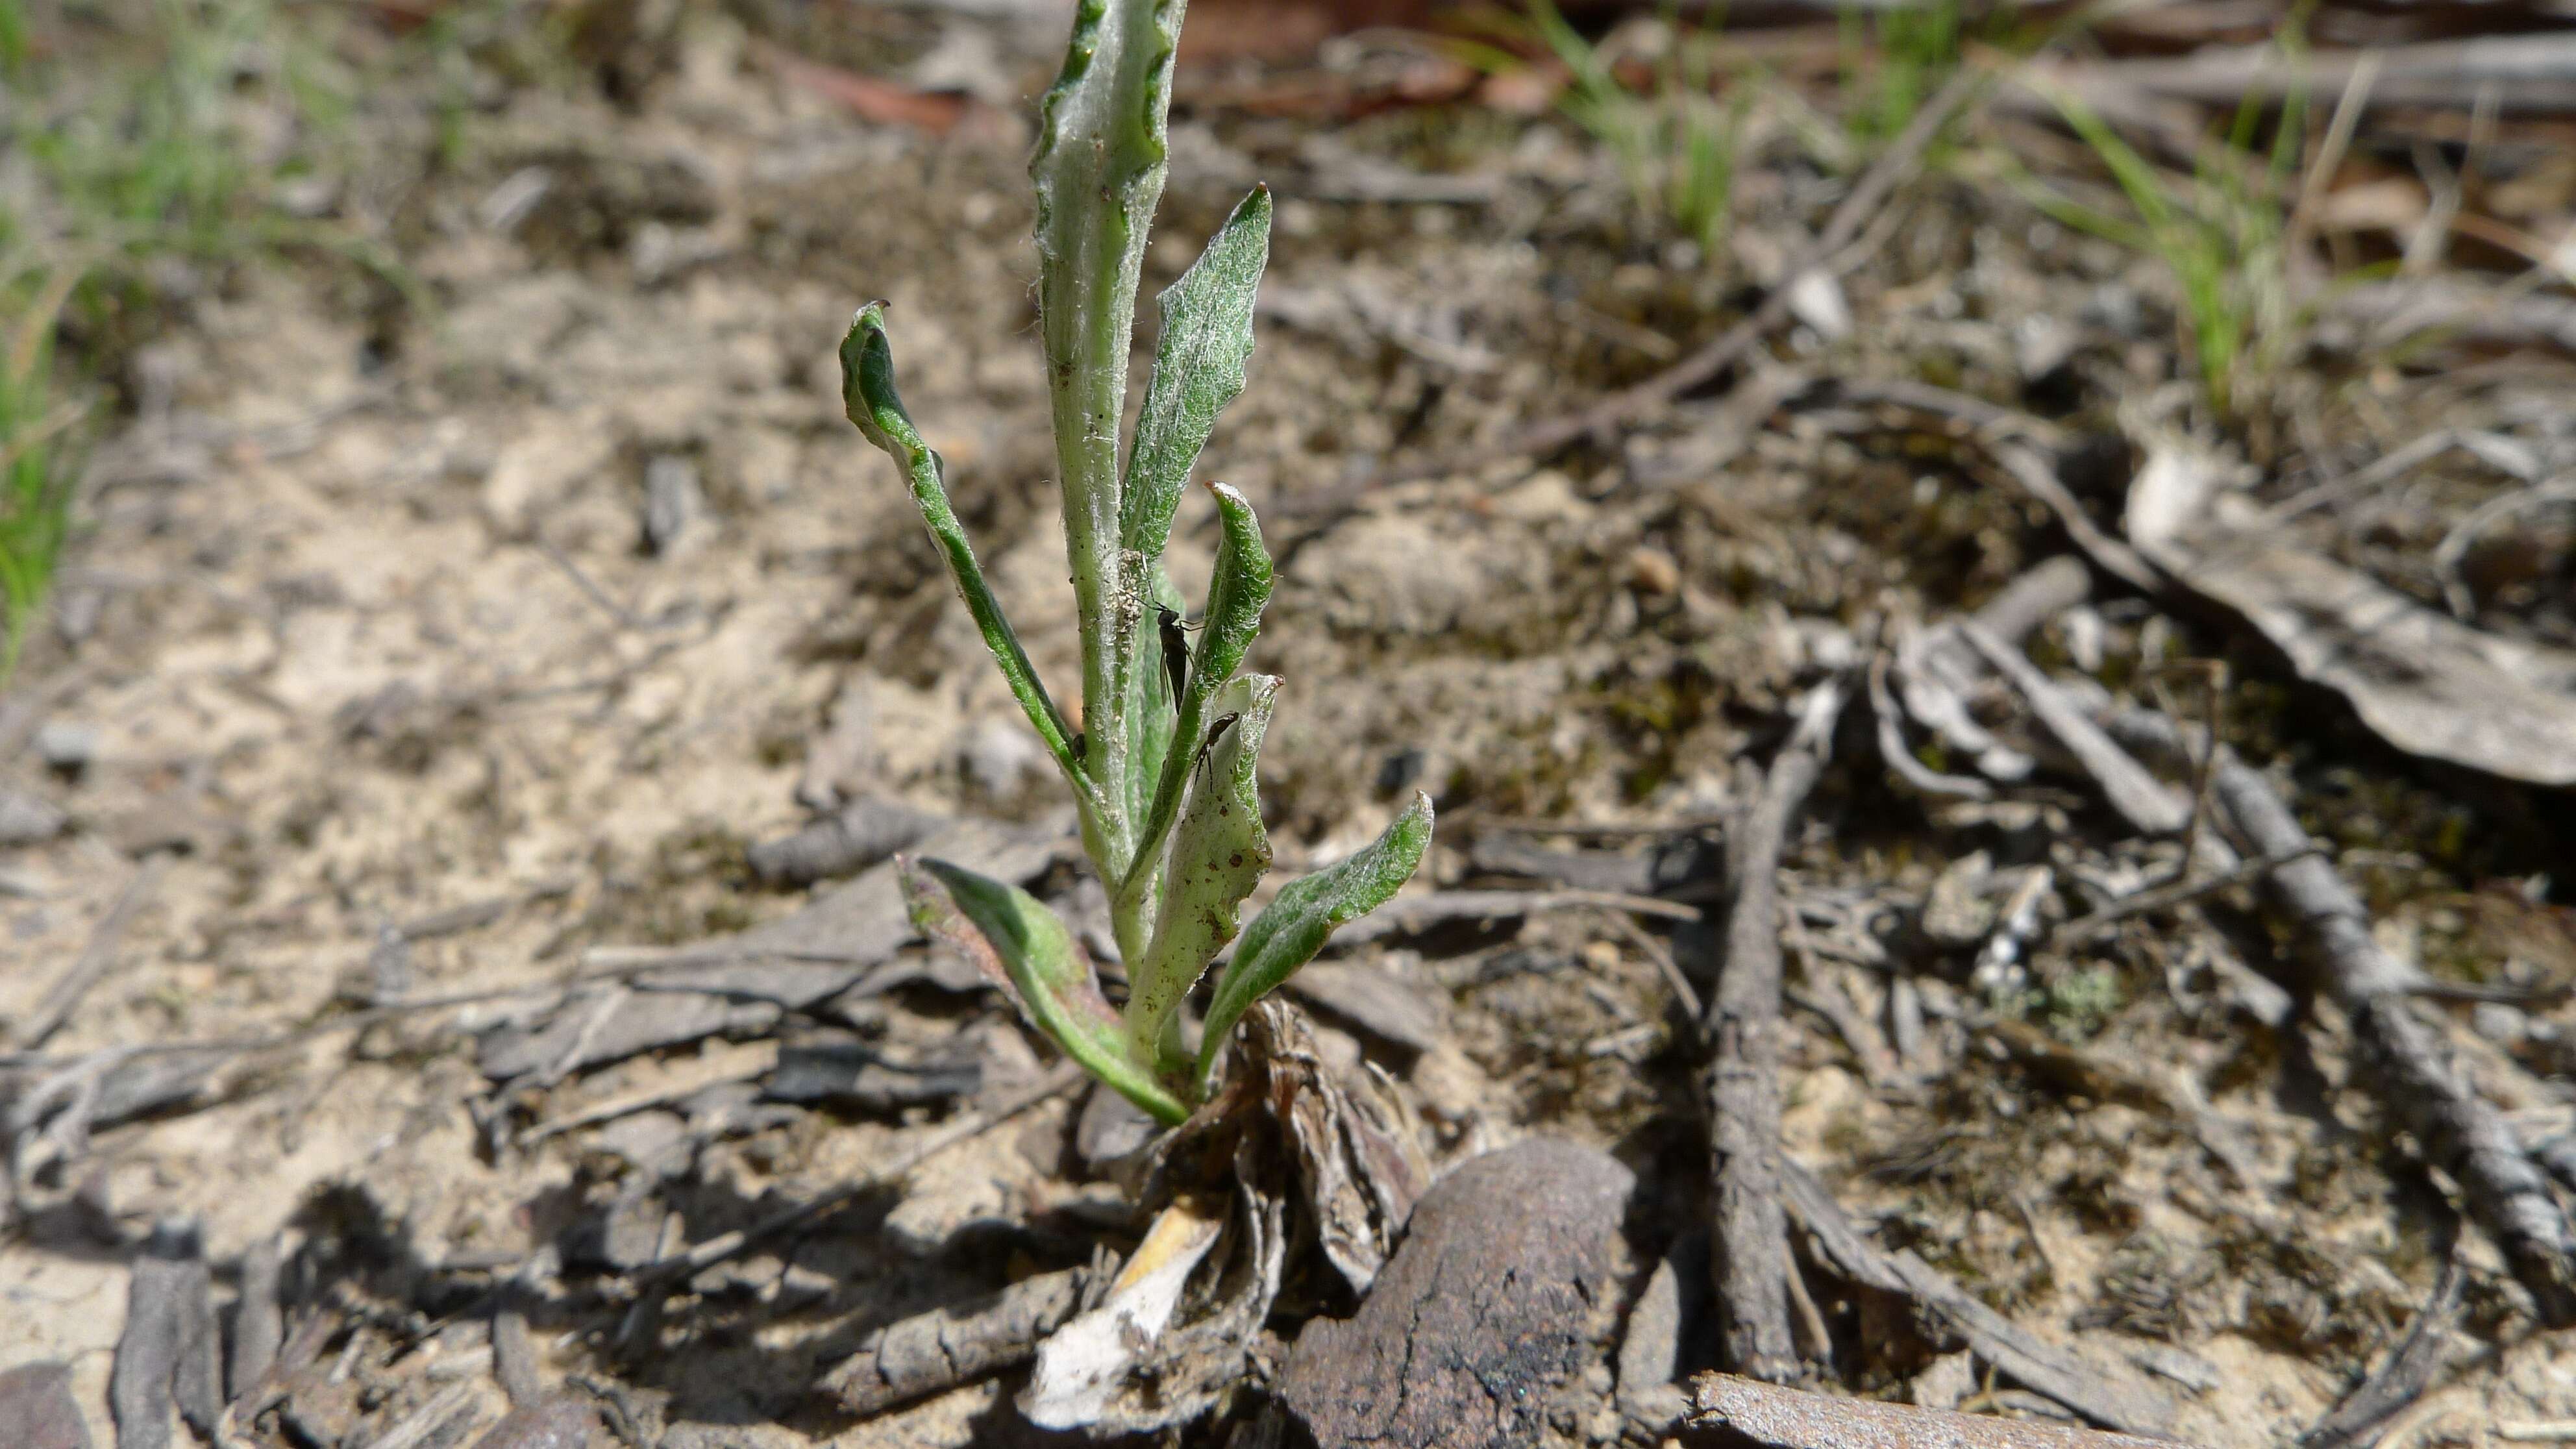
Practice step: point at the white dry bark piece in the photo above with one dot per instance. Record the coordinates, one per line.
(1080, 1368)
(2424, 682)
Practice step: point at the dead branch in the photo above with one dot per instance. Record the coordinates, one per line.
(1730, 1411)
(2528, 73)
(2410, 1071)
(933, 1352)
(1743, 1030)
(2107, 1394)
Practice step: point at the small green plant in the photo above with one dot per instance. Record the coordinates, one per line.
(1164, 766)
(35, 491)
(1893, 61)
(2222, 234)
(1674, 137)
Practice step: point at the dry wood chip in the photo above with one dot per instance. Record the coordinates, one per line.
(1671, 867)
(37, 1410)
(1362, 1167)
(932, 1352)
(560, 1422)
(514, 1359)
(1750, 1258)
(1746, 1412)
(26, 819)
(862, 834)
(848, 1074)
(2147, 803)
(1373, 999)
(1650, 1345)
(1498, 1302)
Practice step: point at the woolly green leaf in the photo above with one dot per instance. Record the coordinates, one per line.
(1236, 593)
(1219, 853)
(868, 394)
(1017, 942)
(1288, 932)
(1198, 369)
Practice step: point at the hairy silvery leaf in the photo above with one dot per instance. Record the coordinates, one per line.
(1014, 939)
(868, 394)
(1198, 369)
(1237, 592)
(1292, 928)
(1219, 853)
(1099, 169)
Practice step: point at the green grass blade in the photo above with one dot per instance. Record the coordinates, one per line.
(1292, 928)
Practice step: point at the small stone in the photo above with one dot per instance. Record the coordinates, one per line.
(67, 747)
(2504, 1025)
(37, 1410)
(673, 501)
(1652, 572)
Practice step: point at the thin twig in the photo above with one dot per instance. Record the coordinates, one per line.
(1770, 1417)
(91, 966)
(2177, 893)
(2408, 1372)
(1743, 1083)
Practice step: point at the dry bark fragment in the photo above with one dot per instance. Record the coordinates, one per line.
(932, 1352)
(167, 1354)
(1500, 1299)
(258, 1324)
(1733, 1412)
(37, 1410)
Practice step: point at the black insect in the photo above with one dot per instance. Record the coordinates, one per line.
(1176, 648)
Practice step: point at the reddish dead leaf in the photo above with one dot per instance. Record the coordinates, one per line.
(873, 98)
